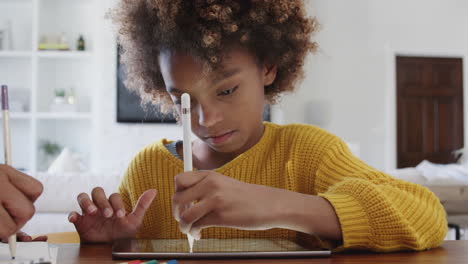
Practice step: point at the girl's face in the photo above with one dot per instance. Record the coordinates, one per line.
(227, 104)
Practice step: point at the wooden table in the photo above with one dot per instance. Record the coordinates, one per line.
(452, 252)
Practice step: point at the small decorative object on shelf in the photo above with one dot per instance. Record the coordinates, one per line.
(19, 99)
(81, 44)
(2, 37)
(59, 96)
(62, 103)
(54, 42)
(66, 162)
(2, 34)
(71, 97)
(50, 148)
(49, 151)
(17, 106)
(6, 38)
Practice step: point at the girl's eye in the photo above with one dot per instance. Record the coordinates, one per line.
(228, 92)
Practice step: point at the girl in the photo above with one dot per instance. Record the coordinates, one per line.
(253, 178)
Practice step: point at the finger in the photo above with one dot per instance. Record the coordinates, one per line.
(193, 214)
(87, 206)
(209, 220)
(31, 187)
(40, 238)
(142, 205)
(74, 217)
(21, 236)
(185, 180)
(100, 199)
(117, 205)
(179, 210)
(8, 226)
(181, 200)
(189, 195)
(17, 205)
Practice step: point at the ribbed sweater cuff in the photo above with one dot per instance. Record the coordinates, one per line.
(355, 225)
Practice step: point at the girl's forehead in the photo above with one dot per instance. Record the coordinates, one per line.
(184, 66)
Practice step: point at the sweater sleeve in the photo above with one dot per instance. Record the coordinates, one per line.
(376, 211)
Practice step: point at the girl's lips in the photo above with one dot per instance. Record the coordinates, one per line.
(220, 139)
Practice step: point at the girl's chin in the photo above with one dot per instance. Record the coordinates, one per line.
(226, 146)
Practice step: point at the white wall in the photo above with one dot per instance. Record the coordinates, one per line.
(350, 73)
(351, 70)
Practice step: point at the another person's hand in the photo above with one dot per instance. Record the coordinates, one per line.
(17, 196)
(104, 220)
(224, 201)
(23, 237)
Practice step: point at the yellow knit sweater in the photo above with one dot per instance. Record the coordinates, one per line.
(376, 212)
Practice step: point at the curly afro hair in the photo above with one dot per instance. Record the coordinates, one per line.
(276, 32)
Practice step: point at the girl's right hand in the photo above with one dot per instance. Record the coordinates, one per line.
(105, 220)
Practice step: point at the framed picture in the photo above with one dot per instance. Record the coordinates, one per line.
(129, 108)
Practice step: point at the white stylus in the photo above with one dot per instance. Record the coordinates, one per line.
(187, 126)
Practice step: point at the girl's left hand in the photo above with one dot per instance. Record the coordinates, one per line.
(224, 201)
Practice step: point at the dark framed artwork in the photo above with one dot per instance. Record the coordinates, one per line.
(130, 110)
(129, 107)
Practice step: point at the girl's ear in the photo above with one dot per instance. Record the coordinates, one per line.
(269, 74)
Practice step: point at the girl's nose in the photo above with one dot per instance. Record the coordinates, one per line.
(208, 115)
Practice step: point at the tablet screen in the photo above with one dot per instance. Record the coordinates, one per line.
(211, 247)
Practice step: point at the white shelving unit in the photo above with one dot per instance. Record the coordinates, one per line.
(33, 75)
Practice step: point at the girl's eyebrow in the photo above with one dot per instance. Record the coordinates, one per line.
(220, 76)
(225, 74)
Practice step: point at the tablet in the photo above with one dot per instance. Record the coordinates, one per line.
(213, 248)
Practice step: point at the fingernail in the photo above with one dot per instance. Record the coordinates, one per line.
(177, 214)
(92, 209)
(120, 214)
(71, 218)
(107, 212)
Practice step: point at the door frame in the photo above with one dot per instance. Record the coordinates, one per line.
(391, 52)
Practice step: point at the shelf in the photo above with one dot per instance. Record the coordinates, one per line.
(64, 116)
(64, 54)
(15, 2)
(16, 115)
(34, 75)
(15, 54)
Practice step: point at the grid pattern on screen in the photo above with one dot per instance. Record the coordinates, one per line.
(220, 245)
